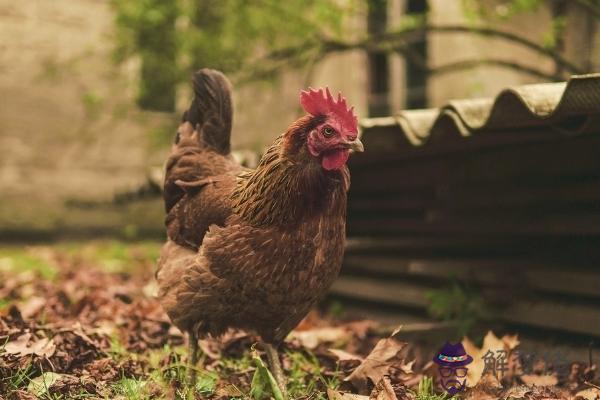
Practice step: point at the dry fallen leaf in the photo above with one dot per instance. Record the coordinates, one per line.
(383, 390)
(150, 289)
(377, 364)
(32, 306)
(19, 345)
(335, 395)
(227, 391)
(408, 367)
(517, 392)
(43, 347)
(342, 355)
(361, 328)
(588, 394)
(539, 380)
(490, 343)
(39, 386)
(23, 395)
(535, 393)
(486, 389)
(311, 338)
(511, 342)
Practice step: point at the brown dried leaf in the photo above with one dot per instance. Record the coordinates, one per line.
(43, 347)
(588, 394)
(19, 345)
(541, 393)
(342, 355)
(511, 342)
(383, 390)
(376, 365)
(226, 390)
(311, 338)
(488, 388)
(23, 395)
(408, 367)
(335, 395)
(517, 392)
(539, 380)
(32, 306)
(361, 328)
(490, 343)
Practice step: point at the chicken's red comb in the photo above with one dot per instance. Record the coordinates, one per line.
(321, 102)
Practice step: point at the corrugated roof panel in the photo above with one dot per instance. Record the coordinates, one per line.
(572, 107)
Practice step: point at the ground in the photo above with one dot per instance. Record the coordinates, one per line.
(79, 320)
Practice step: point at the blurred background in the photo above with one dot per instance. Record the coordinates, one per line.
(92, 92)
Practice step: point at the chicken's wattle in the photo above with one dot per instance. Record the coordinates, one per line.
(335, 159)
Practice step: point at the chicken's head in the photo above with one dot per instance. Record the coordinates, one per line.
(337, 132)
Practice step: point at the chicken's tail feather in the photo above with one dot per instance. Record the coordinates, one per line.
(211, 111)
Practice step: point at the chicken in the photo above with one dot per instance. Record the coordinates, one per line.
(257, 249)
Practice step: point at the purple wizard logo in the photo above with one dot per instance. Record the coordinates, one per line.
(452, 360)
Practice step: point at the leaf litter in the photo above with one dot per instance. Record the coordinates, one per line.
(83, 329)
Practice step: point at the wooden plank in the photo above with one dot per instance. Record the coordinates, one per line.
(580, 224)
(510, 194)
(420, 244)
(527, 163)
(564, 279)
(544, 313)
(442, 245)
(397, 293)
(482, 197)
(578, 318)
(412, 200)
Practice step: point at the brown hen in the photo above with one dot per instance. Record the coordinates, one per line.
(257, 249)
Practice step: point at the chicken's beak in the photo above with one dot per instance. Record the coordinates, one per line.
(355, 145)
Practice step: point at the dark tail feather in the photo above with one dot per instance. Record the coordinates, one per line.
(211, 109)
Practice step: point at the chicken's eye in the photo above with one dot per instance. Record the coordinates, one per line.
(328, 132)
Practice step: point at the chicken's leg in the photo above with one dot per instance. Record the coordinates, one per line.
(192, 358)
(275, 366)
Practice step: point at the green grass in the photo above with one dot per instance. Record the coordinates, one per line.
(207, 382)
(112, 255)
(305, 376)
(20, 379)
(131, 388)
(19, 260)
(425, 391)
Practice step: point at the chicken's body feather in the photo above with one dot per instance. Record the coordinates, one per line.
(252, 250)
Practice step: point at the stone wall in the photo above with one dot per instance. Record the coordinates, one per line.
(71, 137)
(581, 45)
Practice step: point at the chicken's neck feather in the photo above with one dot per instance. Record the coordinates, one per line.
(287, 191)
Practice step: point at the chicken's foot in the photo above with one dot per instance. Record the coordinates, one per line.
(275, 365)
(192, 358)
